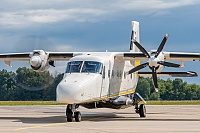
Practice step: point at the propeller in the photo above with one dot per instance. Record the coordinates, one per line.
(138, 68)
(169, 64)
(141, 48)
(155, 81)
(155, 60)
(160, 48)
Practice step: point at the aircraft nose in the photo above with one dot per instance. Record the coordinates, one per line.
(68, 93)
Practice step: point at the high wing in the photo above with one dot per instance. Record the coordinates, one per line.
(63, 55)
(38, 59)
(170, 74)
(180, 56)
(170, 56)
(27, 55)
(15, 56)
(131, 56)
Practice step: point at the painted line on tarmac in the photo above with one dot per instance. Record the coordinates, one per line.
(113, 129)
(40, 126)
(54, 124)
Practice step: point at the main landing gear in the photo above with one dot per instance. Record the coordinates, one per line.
(141, 110)
(71, 112)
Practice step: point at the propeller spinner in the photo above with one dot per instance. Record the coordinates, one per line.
(155, 60)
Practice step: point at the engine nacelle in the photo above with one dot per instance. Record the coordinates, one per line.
(122, 100)
(39, 60)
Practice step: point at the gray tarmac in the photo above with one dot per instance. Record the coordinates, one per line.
(51, 119)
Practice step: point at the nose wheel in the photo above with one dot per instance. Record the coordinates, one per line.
(71, 112)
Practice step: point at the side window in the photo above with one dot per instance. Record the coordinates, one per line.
(104, 72)
(117, 73)
(124, 75)
(113, 73)
(108, 73)
(120, 73)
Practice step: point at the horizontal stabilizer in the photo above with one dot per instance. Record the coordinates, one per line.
(172, 74)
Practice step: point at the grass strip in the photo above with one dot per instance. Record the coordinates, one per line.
(19, 103)
(184, 102)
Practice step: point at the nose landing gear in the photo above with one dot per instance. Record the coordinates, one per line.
(71, 112)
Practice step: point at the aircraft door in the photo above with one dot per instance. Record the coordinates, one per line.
(105, 79)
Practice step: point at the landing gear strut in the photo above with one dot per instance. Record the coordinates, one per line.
(141, 110)
(71, 112)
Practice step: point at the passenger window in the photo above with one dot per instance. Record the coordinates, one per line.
(113, 73)
(108, 73)
(117, 73)
(120, 73)
(124, 75)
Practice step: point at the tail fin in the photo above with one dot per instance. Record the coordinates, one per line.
(134, 36)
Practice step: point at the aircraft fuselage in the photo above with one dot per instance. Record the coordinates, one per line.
(103, 78)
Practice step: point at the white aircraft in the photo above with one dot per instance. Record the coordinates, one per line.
(105, 79)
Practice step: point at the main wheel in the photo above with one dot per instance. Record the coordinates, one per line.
(69, 114)
(142, 110)
(77, 116)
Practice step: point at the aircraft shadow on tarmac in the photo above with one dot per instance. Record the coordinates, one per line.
(95, 117)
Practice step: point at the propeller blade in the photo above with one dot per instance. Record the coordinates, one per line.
(138, 68)
(141, 48)
(162, 44)
(169, 64)
(154, 76)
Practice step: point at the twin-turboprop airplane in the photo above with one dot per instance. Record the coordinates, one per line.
(105, 79)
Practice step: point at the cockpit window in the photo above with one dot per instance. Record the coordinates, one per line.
(74, 67)
(91, 67)
(84, 67)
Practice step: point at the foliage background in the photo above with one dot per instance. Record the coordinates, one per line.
(28, 85)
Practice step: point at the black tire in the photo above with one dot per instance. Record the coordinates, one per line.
(67, 109)
(69, 116)
(77, 116)
(142, 110)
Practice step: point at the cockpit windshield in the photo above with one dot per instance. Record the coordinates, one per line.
(84, 67)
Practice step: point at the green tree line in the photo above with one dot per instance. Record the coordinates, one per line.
(26, 84)
(175, 89)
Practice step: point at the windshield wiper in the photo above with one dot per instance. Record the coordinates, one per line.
(85, 69)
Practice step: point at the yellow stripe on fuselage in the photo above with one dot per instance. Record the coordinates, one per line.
(111, 96)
